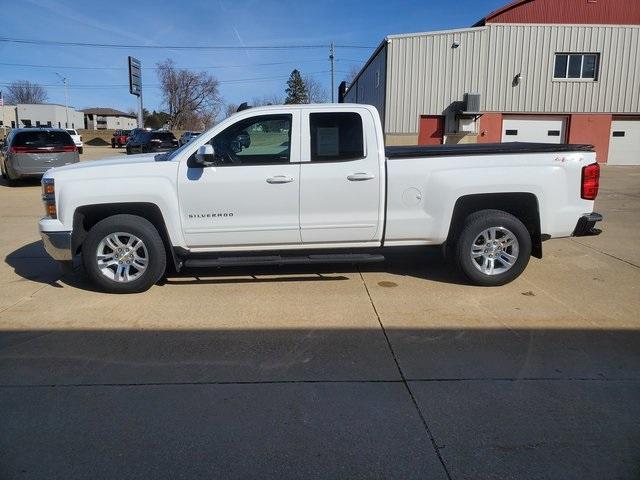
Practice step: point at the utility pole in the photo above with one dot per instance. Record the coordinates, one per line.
(333, 71)
(66, 98)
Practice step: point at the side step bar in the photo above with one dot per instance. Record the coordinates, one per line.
(282, 260)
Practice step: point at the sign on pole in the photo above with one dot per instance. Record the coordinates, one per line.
(135, 77)
(135, 85)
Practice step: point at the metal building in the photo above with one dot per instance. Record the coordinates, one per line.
(40, 115)
(563, 71)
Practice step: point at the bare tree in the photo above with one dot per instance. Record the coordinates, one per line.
(273, 99)
(192, 98)
(351, 75)
(230, 109)
(317, 93)
(23, 91)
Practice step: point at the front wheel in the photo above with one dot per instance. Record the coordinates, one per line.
(124, 254)
(493, 248)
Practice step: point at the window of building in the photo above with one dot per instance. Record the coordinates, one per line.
(37, 123)
(13, 124)
(26, 123)
(48, 124)
(256, 140)
(577, 66)
(336, 136)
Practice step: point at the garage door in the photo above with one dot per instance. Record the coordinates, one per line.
(624, 146)
(527, 129)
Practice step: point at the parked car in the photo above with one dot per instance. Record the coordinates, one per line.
(30, 152)
(120, 138)
(315, 184)
(77, 139)
(186, 137)
(154, 141)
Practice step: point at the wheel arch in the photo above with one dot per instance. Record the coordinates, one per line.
(522, 205)
(86, 216)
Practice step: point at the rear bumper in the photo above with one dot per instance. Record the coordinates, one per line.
(586, 224)
(57, 245)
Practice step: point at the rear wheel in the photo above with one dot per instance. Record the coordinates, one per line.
(493, 248)
(124, 254)
(113, 143)
(128, 151)
(11, 182)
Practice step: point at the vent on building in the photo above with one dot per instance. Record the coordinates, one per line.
(471, 104)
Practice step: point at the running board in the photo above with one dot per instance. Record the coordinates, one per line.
(282, 260)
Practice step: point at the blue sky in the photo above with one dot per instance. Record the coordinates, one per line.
(201, 22)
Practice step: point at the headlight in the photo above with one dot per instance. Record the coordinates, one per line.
(49, 197)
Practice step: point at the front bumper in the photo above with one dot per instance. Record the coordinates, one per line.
(586, 224)
(58, 245)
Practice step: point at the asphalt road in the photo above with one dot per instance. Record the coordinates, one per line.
(398, 370)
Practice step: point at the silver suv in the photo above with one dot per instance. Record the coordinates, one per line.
(29, 152)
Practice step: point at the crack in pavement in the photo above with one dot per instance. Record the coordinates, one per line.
(434, 444)
(604, 253)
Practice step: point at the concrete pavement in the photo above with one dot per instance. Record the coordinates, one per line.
(394, 371)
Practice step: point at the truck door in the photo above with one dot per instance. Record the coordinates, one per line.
(249, 197)
(342, 182)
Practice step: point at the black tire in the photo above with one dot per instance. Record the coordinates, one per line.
(473, 226)
(128, 151)
(113, 143)
(141, 228)
(11, 182)
(80, 150)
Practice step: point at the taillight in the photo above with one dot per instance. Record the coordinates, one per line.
(20, 150)
(590, 181)
(65, 148)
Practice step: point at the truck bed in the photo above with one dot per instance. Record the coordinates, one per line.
(455, 150)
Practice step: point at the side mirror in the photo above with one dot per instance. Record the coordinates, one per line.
(205, 155)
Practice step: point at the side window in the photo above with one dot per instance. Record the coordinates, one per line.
(336, 136)
(257, 140)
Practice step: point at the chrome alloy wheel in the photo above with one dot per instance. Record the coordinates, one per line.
(122, 257)
(494, 251)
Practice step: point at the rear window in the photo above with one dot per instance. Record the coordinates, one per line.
(336, 136)
(165, 136)
(71, 132)
(42, 139)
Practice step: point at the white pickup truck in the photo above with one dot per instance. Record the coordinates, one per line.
(314, 184)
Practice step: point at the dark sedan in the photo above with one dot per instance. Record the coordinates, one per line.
(155, 141)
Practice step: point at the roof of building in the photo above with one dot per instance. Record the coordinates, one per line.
(109, 112)
(609, 12)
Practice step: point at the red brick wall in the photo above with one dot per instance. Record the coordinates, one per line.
(490, 128)
(591, 128)
(431, 130)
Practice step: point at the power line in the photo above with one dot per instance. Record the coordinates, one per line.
(55, 43)
(77, 67)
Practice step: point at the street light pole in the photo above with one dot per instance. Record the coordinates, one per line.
(66, 98)
(331, 59)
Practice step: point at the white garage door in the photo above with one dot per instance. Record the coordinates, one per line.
(624, 146)
(526, 129)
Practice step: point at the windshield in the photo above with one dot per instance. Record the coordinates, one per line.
(42, 138)
(177, 151)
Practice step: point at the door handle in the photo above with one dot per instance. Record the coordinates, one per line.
(280, 179)
(360, 176)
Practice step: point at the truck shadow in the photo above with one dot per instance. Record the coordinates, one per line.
(31, 262)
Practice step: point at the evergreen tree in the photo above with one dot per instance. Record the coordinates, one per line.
(296, 89)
